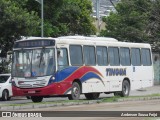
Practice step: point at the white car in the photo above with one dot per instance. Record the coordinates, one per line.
(5, 87)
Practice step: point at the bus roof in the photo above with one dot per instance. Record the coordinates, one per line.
(83, 40)
(102, 41)
(89, 38)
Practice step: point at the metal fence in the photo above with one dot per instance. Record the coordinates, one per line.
(156, 64)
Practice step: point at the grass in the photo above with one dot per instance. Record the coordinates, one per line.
(116, 98)
(111, 99)
(51, 102)
(154, 95)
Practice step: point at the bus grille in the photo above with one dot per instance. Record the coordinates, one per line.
(32, 84)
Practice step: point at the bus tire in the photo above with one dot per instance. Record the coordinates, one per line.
(36, 99)
(5, 95)
(92, 96)
(125, 89)
(28, 97)
(75, 92)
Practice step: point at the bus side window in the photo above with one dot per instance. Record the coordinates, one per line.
(146, 57)
(102, 59)
(113, 55)
(76, 55)
(89, 55)
(135, 57)
(125, 56)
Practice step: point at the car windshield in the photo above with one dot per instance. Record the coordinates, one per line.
(3, 79)
(33, 62)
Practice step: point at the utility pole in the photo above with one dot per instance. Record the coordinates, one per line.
(42, 17)
(97, 14)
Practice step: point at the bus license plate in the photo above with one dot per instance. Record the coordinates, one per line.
(31, 91)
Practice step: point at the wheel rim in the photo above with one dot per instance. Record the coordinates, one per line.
(5, 95)
(125, 89)
(75, 92)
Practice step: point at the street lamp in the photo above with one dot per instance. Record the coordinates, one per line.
(41, 2)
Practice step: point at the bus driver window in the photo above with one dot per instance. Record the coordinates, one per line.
(62, 58)
(59, 58)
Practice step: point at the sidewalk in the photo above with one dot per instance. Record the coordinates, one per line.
(146, 91)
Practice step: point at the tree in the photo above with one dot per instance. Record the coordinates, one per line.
(65, 17)
(154, 26)
(130, 22)
(76, 15)
(15, 21)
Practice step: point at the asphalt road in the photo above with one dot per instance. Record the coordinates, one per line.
(151, 106)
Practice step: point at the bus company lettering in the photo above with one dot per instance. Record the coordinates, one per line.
(116, 71)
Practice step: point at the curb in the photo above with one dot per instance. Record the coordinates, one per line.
(45, 105)
(138, 99)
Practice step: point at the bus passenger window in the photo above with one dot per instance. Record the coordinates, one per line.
(135, 57)
(102, 59)
(76, 55)
(113, 55)
(125, 56)
(89, 55)
(146, 57)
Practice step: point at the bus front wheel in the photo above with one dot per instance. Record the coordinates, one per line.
(75, 92)
(36, 98)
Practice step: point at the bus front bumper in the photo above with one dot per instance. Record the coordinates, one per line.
(45, 91)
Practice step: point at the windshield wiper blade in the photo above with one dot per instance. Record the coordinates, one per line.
(41, 57)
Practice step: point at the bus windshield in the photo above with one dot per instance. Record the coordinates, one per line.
(33, 62)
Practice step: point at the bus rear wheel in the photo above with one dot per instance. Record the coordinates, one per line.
(36, 98)
(75, 92)
(92, 96)
(125, 89)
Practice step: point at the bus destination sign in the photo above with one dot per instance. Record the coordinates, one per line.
(34, 43)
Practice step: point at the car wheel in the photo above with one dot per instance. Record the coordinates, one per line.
(5, 95)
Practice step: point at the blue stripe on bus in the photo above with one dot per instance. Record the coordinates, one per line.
(89, 75)
(63, 74)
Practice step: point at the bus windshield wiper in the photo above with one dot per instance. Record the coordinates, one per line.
(41, 56)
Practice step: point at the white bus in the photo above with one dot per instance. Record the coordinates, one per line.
(74, 65)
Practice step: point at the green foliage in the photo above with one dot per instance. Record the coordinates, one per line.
(130, 22)
(15, 21)
(154, 26)
(61, 17)
(65, 17)
(76, 15)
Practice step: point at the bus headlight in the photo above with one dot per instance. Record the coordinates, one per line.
(52, 80)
